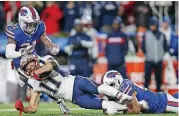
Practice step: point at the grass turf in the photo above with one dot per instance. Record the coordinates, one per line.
(51, 109)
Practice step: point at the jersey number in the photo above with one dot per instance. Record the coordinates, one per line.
(25, 45)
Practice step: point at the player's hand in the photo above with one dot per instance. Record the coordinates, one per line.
(68, 49)
(55, 49)
(27, 50)
(19, 106)
(64, 108)
(144, 105)
(124, 98)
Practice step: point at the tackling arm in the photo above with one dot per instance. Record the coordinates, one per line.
(49, 66)
(34, 102)
(53, 48)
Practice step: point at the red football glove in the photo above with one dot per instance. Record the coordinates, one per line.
(19, 106)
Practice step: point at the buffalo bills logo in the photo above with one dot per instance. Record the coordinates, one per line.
(112, 74)
(23, 12)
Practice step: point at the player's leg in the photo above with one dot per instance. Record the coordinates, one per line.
(89, 86)
(90, 101)
(172, 104)
(148, 71)
(158, 75)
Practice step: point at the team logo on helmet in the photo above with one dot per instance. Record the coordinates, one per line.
(23, 12)
(112, 74)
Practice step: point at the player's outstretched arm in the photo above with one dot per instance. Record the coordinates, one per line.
(53, 48)
(10, 49)
(33, 104)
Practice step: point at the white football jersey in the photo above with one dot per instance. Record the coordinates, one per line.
(55, 85)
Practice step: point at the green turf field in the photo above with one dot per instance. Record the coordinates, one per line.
(51, 109)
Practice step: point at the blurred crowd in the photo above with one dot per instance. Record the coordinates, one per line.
(123, 22)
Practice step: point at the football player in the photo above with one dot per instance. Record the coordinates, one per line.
(23, 35)
(44, 75)
(156, 102)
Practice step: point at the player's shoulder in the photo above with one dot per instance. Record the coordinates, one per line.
(13, 30)
(42, 25)
(41, 28)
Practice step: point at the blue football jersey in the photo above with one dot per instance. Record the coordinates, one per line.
(23, 40)
(157, 101)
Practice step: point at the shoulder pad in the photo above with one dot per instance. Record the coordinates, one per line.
(12, 30)
(42, 27)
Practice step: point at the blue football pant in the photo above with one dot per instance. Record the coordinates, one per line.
(83, 94)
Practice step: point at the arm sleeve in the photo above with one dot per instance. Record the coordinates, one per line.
(10, 51)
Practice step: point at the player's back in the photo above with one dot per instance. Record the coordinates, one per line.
(157, 101)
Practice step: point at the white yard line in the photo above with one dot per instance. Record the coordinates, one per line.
(11, 110)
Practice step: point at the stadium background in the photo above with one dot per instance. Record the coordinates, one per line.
(140, 12)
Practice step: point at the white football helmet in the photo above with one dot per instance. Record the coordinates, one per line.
(112, 78)
(29, 19)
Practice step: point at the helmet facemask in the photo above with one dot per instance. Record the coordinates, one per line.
(29, 27)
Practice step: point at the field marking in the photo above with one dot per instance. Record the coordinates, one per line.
(54, 109)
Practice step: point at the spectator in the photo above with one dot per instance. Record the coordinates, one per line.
(38, 5)
(51, 16)
(154, 45)
(92, 32)
(130, 28)
(71, 12)
(2, 17)
(166, 29)
(116, 48)
(142, 13)
(11, 8)
(108, 13)
(77, 50)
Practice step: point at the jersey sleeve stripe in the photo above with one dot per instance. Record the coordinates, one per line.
(126, 89)
(10, 32)
(129, 91)
(171, 103)
(11, 36)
